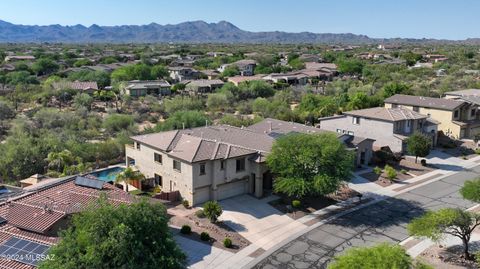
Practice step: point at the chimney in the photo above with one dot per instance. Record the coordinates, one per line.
(183, 125)
(269, 126)
(206, 123)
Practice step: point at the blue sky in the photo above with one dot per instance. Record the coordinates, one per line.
(450, 19)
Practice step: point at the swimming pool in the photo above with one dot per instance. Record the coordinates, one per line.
(108, 174)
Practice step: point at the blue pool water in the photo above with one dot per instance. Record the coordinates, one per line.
(109, 174)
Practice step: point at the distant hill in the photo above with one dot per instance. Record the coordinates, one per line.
(186, 32)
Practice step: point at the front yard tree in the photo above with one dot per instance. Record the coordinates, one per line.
(212, 210)
(471, 190)
(309, 164)
(383, 256)
(448, 221)
(124, 236)
(419, 145)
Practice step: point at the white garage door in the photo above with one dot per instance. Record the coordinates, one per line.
(201, 195)
(231, 189)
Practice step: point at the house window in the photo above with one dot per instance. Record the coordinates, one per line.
(202, 169)
(416, 108)
(158, 180)
(222, 165)
(177, 166)
(472, 112)
(455, 115)
(339, 131)
(158, 158)
(350, 133)
(356, 120)
(138, 146)
(240, 165)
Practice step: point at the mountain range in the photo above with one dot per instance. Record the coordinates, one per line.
(186, 32)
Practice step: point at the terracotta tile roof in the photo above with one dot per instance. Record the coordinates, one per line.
(31, 214)
(76, 85)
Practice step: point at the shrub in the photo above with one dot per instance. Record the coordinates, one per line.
(377, 170)
(423, 162)
(185, 203)
(227, 242)
(391, 173)
(204, 236)
(212, 210)
(477, 151)
(403, 171)
(200, 214)
(296, 203)
(186, 229)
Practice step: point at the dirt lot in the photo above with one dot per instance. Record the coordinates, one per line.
(311, 204)
(218, 231)
(446, 258)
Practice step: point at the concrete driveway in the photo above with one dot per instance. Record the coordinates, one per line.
(257, 221)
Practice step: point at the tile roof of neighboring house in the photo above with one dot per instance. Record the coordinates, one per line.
(316, 66)
(387, 114)
(239, 79)
(245, 62)
(32, 213)
(147, 84)
(467, 92)
(420, 101)
(76, 85)
(204, 82)
(224, 141)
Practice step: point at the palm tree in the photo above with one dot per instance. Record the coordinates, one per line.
(127, 176)
(59, 160)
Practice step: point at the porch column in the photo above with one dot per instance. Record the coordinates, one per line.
(258, 182)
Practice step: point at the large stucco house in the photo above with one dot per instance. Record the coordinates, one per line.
(456, 117)
(218, 162)
(389, 127)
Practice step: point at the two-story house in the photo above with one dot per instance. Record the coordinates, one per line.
(456, 118)
(246, 67)
(218, 162)
(181, 73)
(387, 126)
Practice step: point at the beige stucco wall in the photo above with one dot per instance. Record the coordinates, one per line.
(444, 117)
(188, 181)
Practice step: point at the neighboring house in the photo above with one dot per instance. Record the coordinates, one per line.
(203, 85)
(181, 73)
(210, 74)
(14, 58)
(138, 88)
(387, 126)
(32, 180)
(88, 87)
(291, 78)
(33, 218)
(457, 118)
(218, 162)
(239, 79)
(246, 67)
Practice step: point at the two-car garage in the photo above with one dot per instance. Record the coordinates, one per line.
(224, 191)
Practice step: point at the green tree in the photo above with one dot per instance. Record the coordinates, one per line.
(350, 66)
(83, 100)
(307, 164)
(382, 256)
(451, 221)
(393, 88)
(419, 145)
(471, 190)
(217, 102)
(183, 119)
(20, 77)
(212, 210)
(82, 62)
(179, 103)
(128, 176)
(114, 123)
(44, 66)
(159, 71)
(125, 236)
(230, 71)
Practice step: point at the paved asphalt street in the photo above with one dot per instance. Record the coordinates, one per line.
(384, 221)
